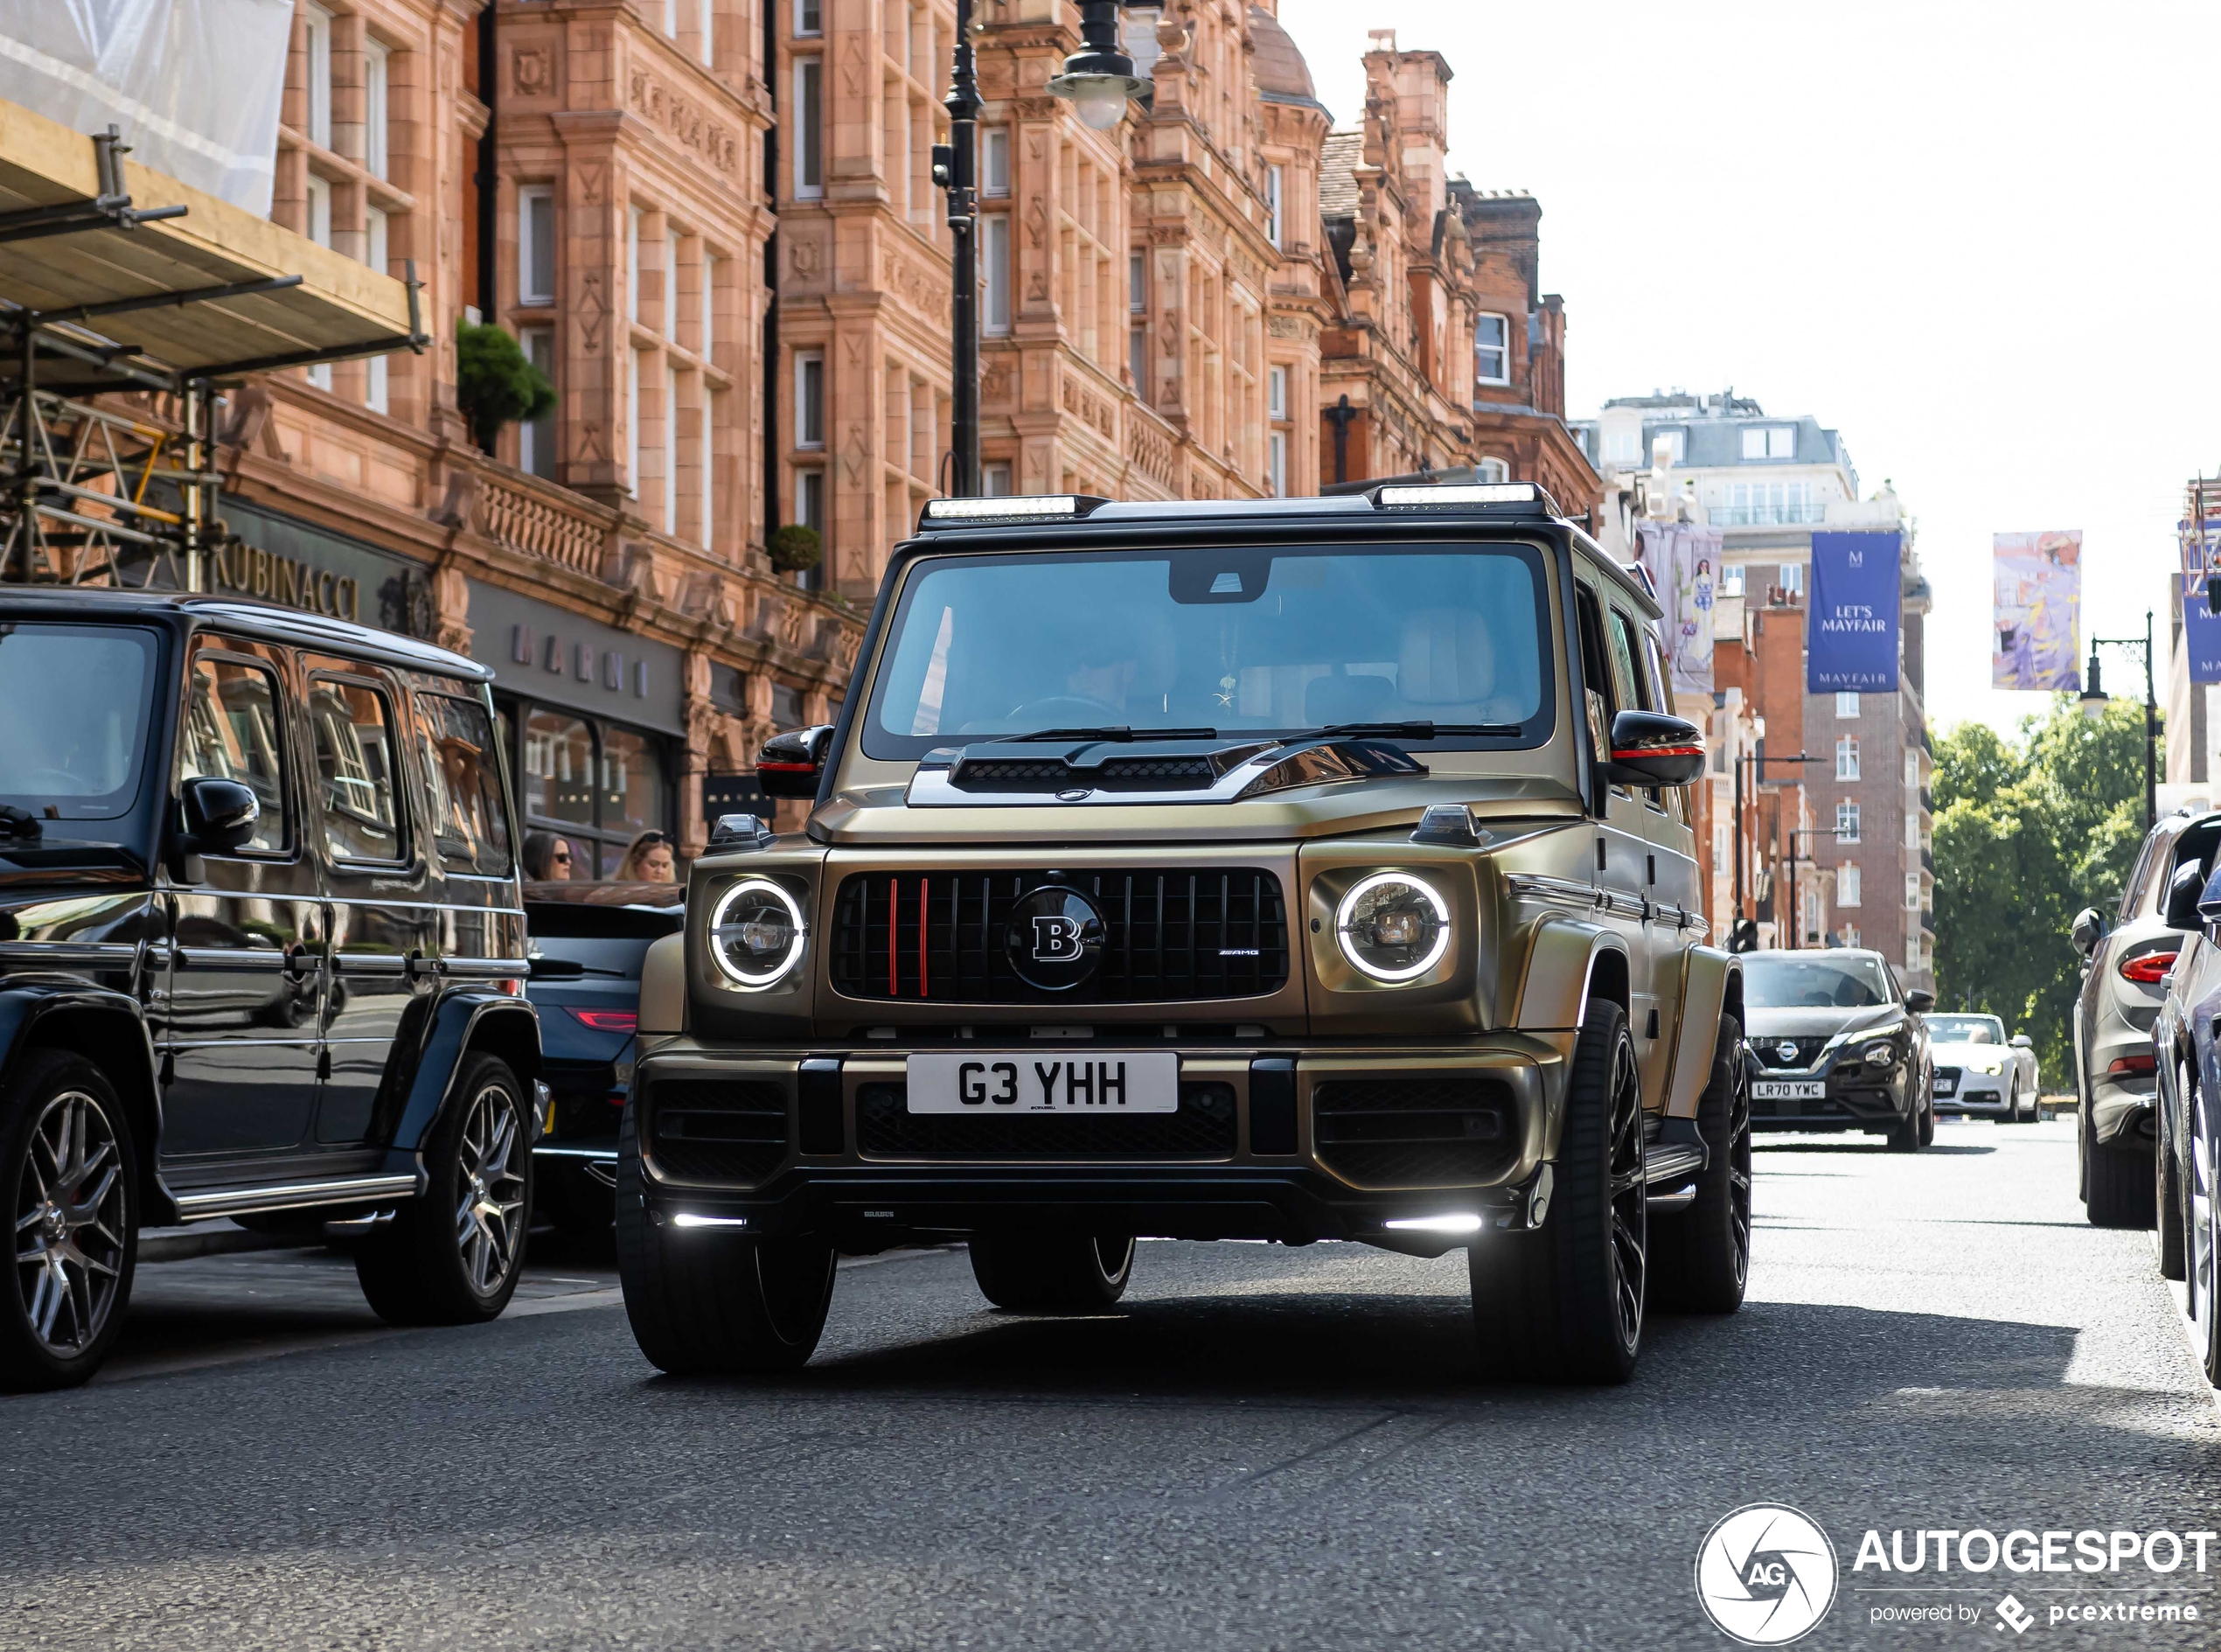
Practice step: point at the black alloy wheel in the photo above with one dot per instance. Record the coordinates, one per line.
(1052, 1272)
(1699, 1258)
(1564, 1303)
(706, 1301)
(68, 1163)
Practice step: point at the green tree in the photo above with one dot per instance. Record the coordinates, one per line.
(2027, 834)
(494, 384)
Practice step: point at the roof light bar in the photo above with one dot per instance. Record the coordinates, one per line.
(1004, 509)
(1475, 493)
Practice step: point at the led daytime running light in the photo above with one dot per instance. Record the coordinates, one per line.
(1366, 886)
(787, 964)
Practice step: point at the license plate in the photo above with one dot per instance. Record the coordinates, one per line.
(1110, 1082)
(1944, 1087)
(1788, 1089)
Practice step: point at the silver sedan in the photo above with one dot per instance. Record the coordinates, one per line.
(1980, 1072)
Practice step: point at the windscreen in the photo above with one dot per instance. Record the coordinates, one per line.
(1239, 641)
(1783, 980)
(1966, 1030)
(81, 699)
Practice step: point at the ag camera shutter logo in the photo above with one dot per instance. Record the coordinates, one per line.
(1765, 1574)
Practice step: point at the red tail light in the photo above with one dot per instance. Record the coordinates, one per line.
(2149, 967)
(2132, 1067)
(609, 1021)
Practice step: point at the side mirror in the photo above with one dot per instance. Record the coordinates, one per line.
(2089, 930)
(791, 764)
(2183, 892)
(1650, 748)
(2021, 1041)
(1919, 1000)
(217, 816)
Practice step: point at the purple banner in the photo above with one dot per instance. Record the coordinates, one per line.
(2201, 634)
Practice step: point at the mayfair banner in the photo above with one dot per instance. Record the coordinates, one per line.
(1851, 638)
(2035, 640)
(2201, 633)
(1684, 564)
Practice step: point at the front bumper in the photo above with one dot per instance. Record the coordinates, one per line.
(1292, 1143)
(1853, 1096)
(1977, 1096)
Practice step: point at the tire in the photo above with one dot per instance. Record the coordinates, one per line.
(2167, 1195)
(2202, 1247)
(1911, 1134)
(69, 1170)
(2120, 1188)
(453, 1255)
(1052, 1274)
(709, 1303)
(2012, 1103)
(1564, 1303)
(1699, 1258)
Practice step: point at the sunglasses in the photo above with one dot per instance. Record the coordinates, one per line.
(652, 840)
(561, 857)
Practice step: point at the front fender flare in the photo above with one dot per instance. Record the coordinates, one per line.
(1711, 981)
(1561, 960)
(458, 1025)
(107, 1027)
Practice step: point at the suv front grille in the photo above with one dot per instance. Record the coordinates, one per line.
(1203, 1128)
(1382, 1133)
(1768, 1051)
(712, 1130)
(1171, 936)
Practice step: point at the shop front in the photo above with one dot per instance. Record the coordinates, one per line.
(594, 720)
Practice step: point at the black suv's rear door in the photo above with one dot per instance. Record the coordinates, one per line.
(384, 902)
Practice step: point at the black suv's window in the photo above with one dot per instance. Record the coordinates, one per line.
(1240, 640)
(79, 700)
(232, 733)
(460, 766)
(355, 765)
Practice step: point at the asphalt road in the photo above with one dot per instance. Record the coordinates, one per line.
(1262, 1448)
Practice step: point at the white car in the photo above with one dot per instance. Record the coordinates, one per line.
(1980, 1072)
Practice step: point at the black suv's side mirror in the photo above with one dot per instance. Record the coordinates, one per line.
(791, 764)
(2183, 892)
(1650, 748)
(217, 815)
(1919, 1000)
(2089, 930)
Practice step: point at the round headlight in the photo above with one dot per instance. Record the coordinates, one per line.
(755, 933)
(1393, 927)
(1882, 1055)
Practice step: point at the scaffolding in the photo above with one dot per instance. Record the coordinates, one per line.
(98, 488)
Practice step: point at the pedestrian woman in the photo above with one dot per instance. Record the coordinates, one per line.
(548, 858)
(649, 858)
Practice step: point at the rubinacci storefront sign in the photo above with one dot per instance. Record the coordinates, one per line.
(275, 559)
(249, 570)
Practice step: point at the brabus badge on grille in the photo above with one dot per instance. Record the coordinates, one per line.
(1053, 939)
(1786, 1049)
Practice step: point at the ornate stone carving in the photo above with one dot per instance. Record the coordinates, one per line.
(529, 71)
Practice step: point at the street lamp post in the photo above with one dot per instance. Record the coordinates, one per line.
(1756, 760)
(955, 169)
(2093, 701)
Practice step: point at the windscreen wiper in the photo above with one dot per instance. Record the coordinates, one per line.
(1421, 730)
(1119, 732)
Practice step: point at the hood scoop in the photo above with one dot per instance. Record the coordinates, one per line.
(989, 774)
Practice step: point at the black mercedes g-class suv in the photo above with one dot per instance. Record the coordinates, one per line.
(261, 950)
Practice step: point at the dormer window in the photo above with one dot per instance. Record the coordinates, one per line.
(1768, 441)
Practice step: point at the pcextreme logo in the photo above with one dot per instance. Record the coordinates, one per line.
(1765, 1574)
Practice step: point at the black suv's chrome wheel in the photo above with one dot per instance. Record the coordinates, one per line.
(70, 1172)
(490, 1219)
(453, 1257)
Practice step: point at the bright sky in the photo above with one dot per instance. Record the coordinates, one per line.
(1969, 236)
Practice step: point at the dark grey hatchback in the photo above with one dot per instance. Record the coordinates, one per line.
(261, 950)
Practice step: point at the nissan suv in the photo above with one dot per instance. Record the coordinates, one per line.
(1283, 869)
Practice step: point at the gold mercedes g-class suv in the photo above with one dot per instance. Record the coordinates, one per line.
(1286, 870)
